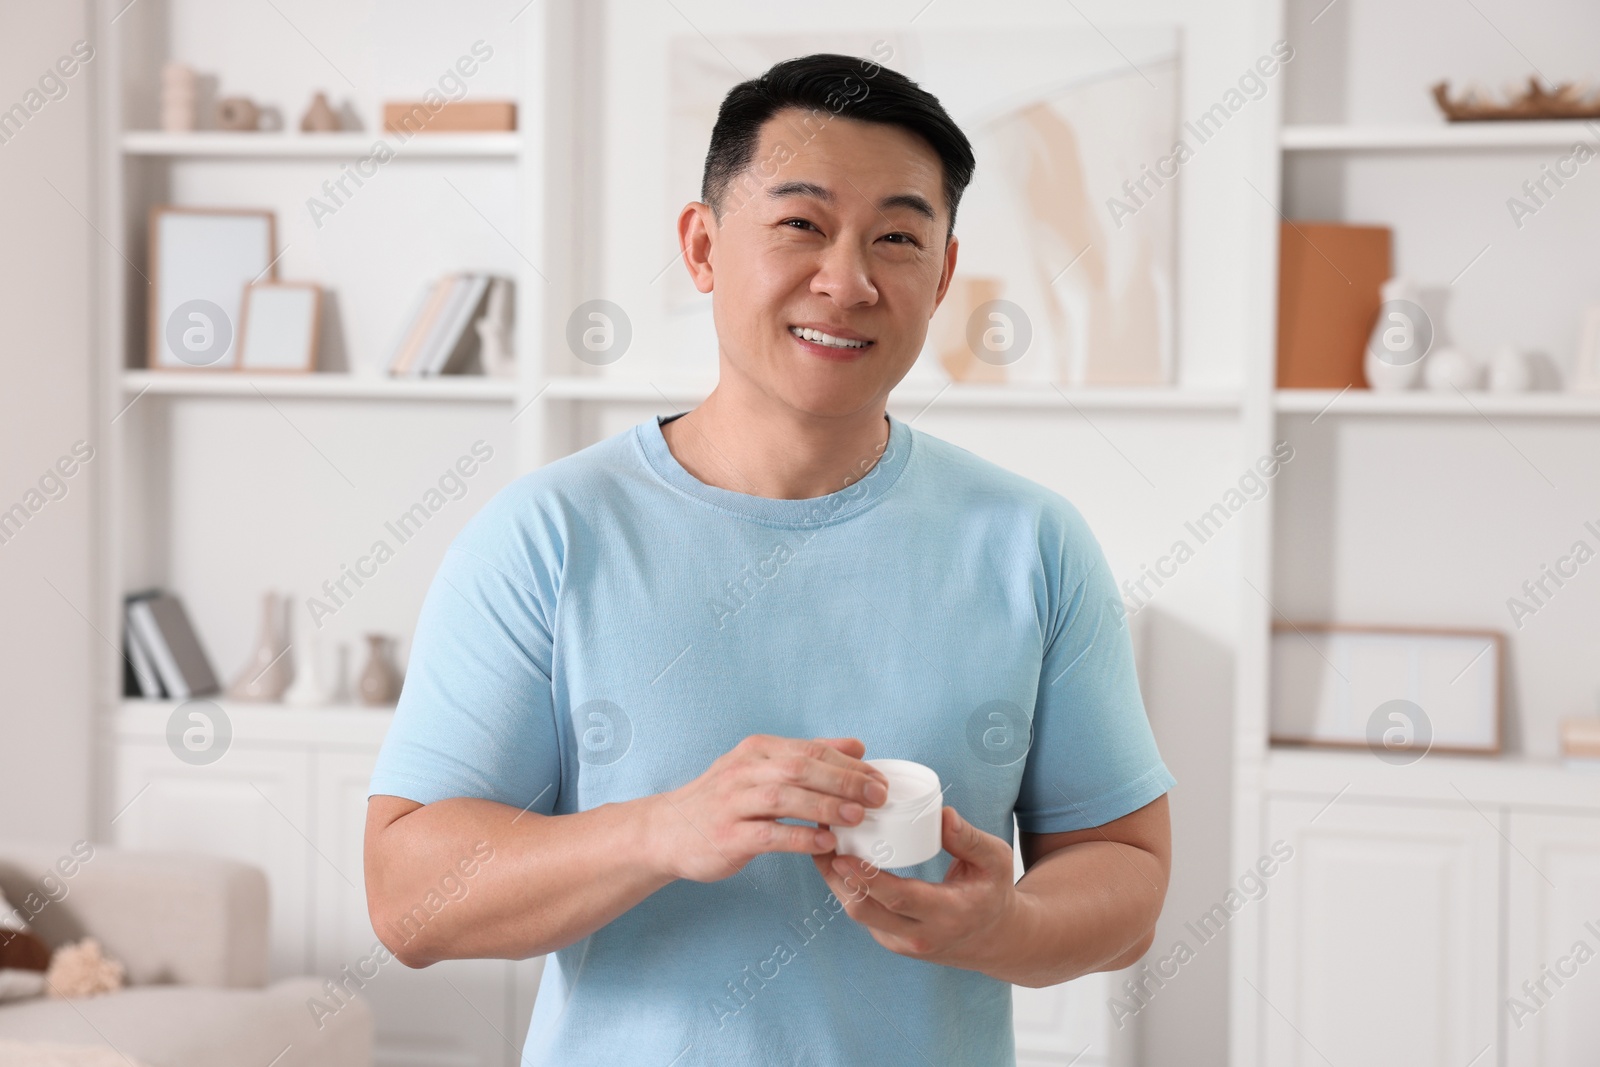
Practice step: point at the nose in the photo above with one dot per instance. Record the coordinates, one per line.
(844, 276)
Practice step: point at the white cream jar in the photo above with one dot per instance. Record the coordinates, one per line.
(906, 829)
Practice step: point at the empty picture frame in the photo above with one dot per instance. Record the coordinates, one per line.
(1388, 689)
(201, 260)
(278, 331)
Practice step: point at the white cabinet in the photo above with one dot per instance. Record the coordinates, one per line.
(1382, 936)
(252, 805)
(458, 1012)
(1553, 940)
(1067, 1023)
(1064, 1024)
(289, 795)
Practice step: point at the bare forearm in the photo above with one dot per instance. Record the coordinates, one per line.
(536, 883)
(1084, 908)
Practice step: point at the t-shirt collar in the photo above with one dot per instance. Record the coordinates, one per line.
(834, 507)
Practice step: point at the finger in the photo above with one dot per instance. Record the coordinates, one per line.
(755, 836)
(825, 750)
(908, 897)
(843, 752)
(859, 903)
(965, 841)
(859, 783)
(768, 799)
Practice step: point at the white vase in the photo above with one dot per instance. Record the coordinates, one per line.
(1401, 335)
(310, 688)
(267, 673)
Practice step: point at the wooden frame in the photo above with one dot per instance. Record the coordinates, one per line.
(251, 308)
(233, 306)
(1496, 640)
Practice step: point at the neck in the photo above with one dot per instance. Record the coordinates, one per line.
(746, 441)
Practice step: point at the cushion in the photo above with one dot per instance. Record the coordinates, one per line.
(23, 956)
(187, 1026)
(46, 1054)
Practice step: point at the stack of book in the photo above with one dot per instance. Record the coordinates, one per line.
(164, 658)
(438, 337)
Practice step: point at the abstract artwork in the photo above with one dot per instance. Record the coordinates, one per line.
(1071, 216)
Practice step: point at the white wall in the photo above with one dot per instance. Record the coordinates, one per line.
(46, 643)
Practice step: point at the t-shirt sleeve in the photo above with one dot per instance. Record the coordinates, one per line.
(1092, 757)
(475, 715)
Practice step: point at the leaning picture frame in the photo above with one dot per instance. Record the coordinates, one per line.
(278, 327)
(1398, 691)
(201, 261)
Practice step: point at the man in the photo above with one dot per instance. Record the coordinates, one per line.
(647, 676)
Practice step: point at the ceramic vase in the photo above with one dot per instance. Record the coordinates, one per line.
(380, 681)
(310, 689)
(340, 693)
(320, 116)
(1390, 367)
(179, 91)
(268, 672)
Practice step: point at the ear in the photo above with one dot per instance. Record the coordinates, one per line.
(697, 227)
(951, 248)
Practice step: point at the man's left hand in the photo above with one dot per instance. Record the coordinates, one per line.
(967, 921)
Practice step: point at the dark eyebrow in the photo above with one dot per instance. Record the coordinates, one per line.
(906, 200)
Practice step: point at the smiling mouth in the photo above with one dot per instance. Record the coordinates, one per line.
(817, 338)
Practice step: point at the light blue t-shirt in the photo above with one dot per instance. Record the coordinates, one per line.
(609, 625)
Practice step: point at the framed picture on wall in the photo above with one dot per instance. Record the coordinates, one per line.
(1399, 692)
(201, 262)
(1064, 276)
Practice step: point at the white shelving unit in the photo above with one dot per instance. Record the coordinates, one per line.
(1139, 462)
(1417, 901)
(1490, 136)
(312, 466)
(331, 386)
(1420, 402)
(1154, 399)
(342, 145)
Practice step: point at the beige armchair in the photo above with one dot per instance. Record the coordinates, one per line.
(192, 933)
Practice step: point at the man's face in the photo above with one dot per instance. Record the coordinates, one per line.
(837, 226)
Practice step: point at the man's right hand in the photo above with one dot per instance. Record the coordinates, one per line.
(709, 828)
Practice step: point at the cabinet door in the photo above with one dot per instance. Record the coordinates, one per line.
(1553, 940)
(1064, 1024)
(250, 805)
(461, 1013)
(1382, 936)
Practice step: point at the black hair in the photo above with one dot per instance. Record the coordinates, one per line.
(835, 85)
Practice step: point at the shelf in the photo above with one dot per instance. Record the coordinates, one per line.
(1484, 780)
(968, 397)
(262, 724)
(332, 386)
(1459, 135)
(1421, 402)
(212, 145)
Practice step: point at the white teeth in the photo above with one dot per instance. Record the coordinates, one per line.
(821, 338)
